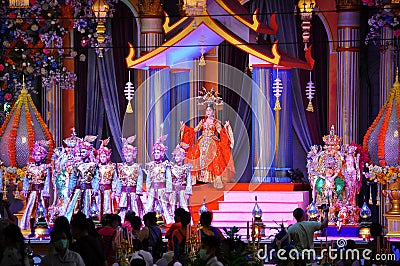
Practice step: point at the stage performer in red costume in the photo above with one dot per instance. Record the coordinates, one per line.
(130, 181)
(210, 156)
(36, 186)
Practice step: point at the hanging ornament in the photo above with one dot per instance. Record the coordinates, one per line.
(310, 91)
(203, 207)
(129, 92)
(202, 61)
(277, 89)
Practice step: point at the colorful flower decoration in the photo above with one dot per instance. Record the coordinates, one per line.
(27, 126)
(32, 45)
(387, 15)
(382, 144)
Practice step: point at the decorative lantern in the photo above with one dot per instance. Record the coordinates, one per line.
(19, 4)
(41, 226)
(94, 213)
(306, 7)
(203, 207)
(194, 7)
(312, 212)
(258, 229)
(22, 127)
(100, 9)
(365, 224)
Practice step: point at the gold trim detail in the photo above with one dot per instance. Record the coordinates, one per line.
(208, 21)
(167, 28)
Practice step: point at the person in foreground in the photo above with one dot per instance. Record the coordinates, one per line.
(208, 251)
(302, 232)
(63, 255)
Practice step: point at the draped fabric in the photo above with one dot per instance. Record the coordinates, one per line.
(88, 94)
(263, 124)
(287, 36)
(284, 160)
(317, 120)
(95, 104)
(180, 102)
(102, 101)
(235, 89)
(111, 101)
(158, 98)
(124, 30)
(80, 90)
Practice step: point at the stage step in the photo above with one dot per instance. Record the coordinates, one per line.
(264, 206)
(246, 215)
(264, 196)
(235, 209)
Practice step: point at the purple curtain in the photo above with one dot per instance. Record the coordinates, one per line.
(317, 120)
(123, 30)
(233, 56)
(81, 70)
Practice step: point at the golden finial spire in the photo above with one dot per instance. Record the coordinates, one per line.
(23, 85)
(396, 84)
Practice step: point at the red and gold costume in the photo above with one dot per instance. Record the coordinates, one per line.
(210, 156)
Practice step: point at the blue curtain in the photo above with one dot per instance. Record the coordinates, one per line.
(180, 102)
(159, 106)
(287, 36)
(284, 161)
(263, 125)
(102, 97)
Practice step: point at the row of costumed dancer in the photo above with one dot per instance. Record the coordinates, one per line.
(80, 178)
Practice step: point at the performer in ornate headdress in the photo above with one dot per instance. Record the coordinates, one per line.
(210, 156)
(351, 173)
(181, 181)
(329, 185)
(36, 185)
(130, 178)
(107, 179)
(84, 182)
(158, 183)
(63, 159)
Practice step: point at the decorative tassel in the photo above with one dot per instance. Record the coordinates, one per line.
(310, 107)
(129, 109)
(310, 91)
(277, 105)
(277, 89)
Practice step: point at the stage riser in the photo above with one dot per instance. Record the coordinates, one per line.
(271, 196)
(270, 216)
(270, 206)
(235, 207)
